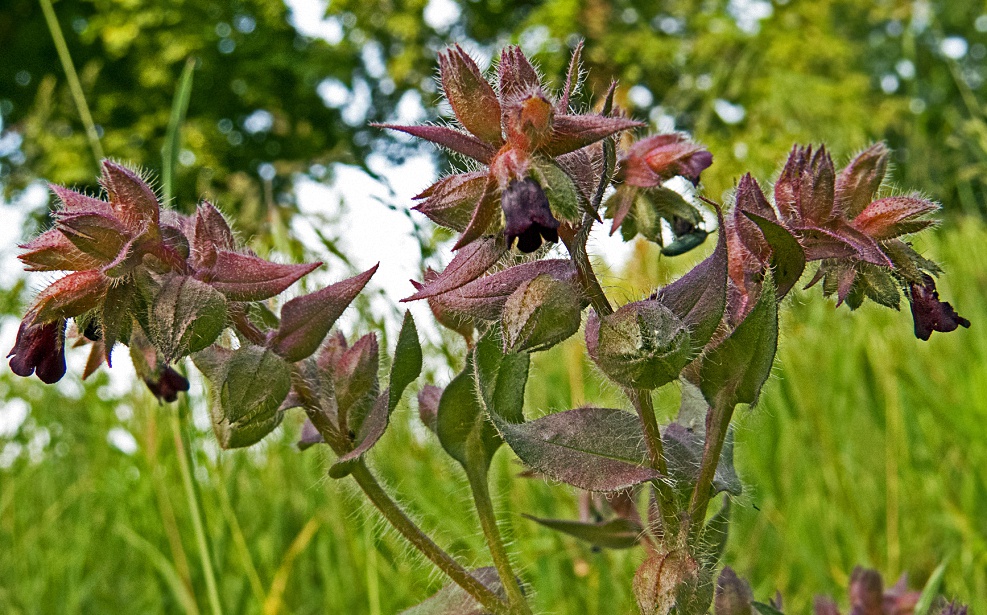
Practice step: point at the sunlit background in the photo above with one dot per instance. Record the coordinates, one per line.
(868, 446)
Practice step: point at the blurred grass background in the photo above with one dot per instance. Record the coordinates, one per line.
(867, 448)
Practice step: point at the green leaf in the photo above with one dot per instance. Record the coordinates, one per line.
(462, 425)
(787, 255)
(765, 609)
(186, 316)
(453, 600)
(597, 449)
(501, 378)
(735, 370)
(254, 383)
(931, 590)
(614, 534)
(407, 363)
(563, 196)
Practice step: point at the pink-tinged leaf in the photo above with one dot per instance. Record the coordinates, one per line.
(306, 320)
(450, 201)
(750, 198)
(210, 233)
(518, 78)
(74, 202)
(52, 251)
(484, 214)
(354, 376)
(428, 405)
(583, 166)
(571, 80)
(454, 600)
(857, 184)
(484, 298)
(310, 436)
(733, 595)
(132, 199)
(371, 430)
(96, 234)
(571, 132)
(597, 449)
(613, 534)
(698, 298)
(666, 156)
(787, 188)
(865, 247)
(469, 264)
(816, 190)
(244, 277)
(894, 216)
(459, 142)
(70, 296)
(620, 204)
(472, 99)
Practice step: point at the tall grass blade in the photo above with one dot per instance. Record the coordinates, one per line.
(173, 138)
(75, 86)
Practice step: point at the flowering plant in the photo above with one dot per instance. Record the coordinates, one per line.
(170, 286)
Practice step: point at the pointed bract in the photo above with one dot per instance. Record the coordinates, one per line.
(572, 132)
(132, 199)
(244, 277)
(70, 296)
(858, 183)
(472, 99)
(306, 320)
(52, 251)
(459, 142)
(518, 78)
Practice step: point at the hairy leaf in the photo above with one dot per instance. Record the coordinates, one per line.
(613, 534)
(597, 449)
(244, 277)
(407, 363)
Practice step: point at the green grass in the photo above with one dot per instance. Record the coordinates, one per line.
(868, 447)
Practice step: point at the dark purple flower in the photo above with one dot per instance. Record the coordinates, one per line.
(168, 384)
(929, 313)
(528, 216)
(39, 349)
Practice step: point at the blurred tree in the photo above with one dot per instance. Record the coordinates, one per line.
(748, 77)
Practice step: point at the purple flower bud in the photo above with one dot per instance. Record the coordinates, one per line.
(528, 216)
(167, 385)
(39, 349)
(929, 313)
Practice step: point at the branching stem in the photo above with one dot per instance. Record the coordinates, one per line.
(717, 425)
(477, 475)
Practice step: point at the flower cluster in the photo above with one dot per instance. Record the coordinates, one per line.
(839, 220)
(167, 286)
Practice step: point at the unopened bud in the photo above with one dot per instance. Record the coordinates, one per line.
(247, 406)
(542, 312)
(642, 345)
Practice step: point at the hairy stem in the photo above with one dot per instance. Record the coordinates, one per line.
(575, 242)
(418, 539)
(717, 425)
(392, 511)
(477, 475)
(183, 446)
(641, 399)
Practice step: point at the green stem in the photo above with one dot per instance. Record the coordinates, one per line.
(75, 86)
(403, 524)
(717, 425)
(575, 242)
(477, 475)
(184, 449)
